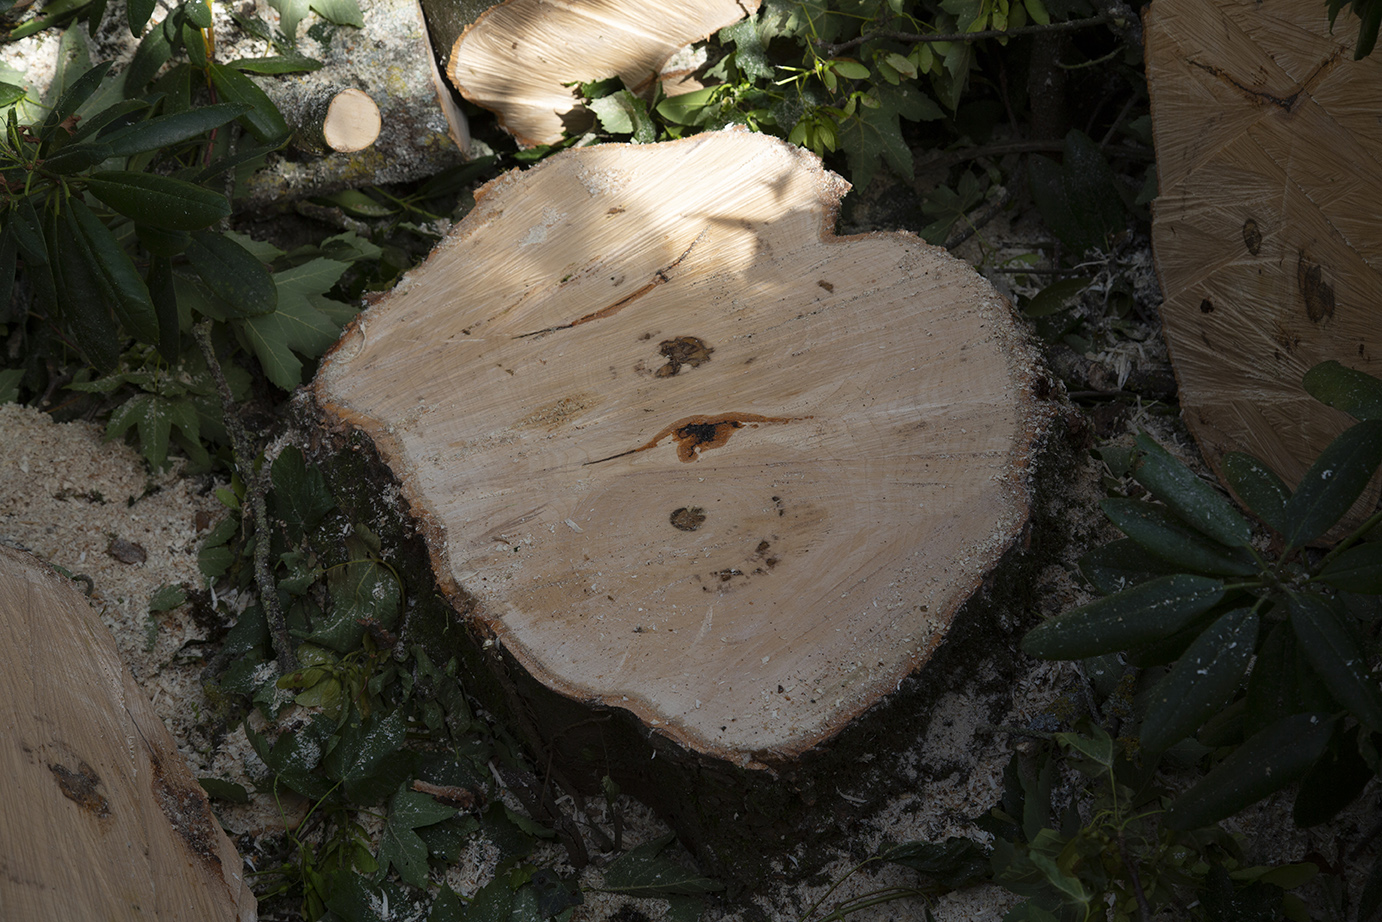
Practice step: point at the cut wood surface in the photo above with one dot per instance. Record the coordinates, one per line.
(102, 818)
(692, 455)
(351, 121)
(1269, 157)
(520, 58)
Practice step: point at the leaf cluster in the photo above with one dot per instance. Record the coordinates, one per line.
(1257, 648)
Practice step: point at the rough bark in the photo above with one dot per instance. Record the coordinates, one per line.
(1265, 228)
(103, 819)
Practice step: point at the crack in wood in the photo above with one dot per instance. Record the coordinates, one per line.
(660, 277)
(699, 433)
(1287, 103)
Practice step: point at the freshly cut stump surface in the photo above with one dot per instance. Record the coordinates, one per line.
(521, 58)
(689, 453)
(103, 819)
(1266, 233)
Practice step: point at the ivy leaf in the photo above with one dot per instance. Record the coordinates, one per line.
(1334, 482)
(1147, 612)
(301, 497)
(876, 133)
(750, 55)
(624, 113)
(642, 871)
(1202, 681)
(401, 847)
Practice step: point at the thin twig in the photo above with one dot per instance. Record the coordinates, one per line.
(917, 39)
(255, 490)
(1144, 911)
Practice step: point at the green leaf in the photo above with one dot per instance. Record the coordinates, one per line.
(341, 12)
(1334, 482)
(10, 94)
(82, 293)
(165, 300)
(1356, 393)
(1098, 748)
(1332, 645)
(1283, 682)
(79, 92)
(263, 120)
(1145, 613)
(160, 201)
(954, 863)
(624, 113)
(167, 130)
(9, 252)
(1120, 565)
(277, 64)
(233, 274)
(642, 871)
(851, 70)
(290, 13)
(876, 133)
(1202, 681)
(126, 291)
(1055, 297)
(1269, 761)
(1358, 569)
(1078, 198)
(154, 417)
(300, 495)
(1333, 782)
(1260, 489)
(1195, 502)
(1166, 536)
(167, 597)
(137, 13)
(400, 846)
(368, 757)
(75, 158)
(153, 52)
(227, 791)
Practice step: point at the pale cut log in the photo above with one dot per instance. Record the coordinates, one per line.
(423, 130)
(683, 452)
(1269, 160)
(102, 819)
(341, 120)
(521, 58)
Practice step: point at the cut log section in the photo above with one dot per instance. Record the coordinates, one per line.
(683, 452)
(344, 121)
(1269, 158)
(521, 58)
(103, 819)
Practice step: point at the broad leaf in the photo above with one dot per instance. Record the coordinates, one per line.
(1145, 613)
(79, 92)
(167, 130)
(290, 13)
(277, 64)
(1356, 393)
(1196, 503)
(1334, 482)
(1202, 681)
(301, 497)
(128, 294)
(1079, 197)
(1333, 782)
(1269, 761)
(1358, 569)
(624, 113)
(1332, 645)
(75, 158)
(642, 871)
(153, 417)
(341, 12)
(1166, 536)
(84, 296)
(137, 13)
(955, 862)
(263, 120)
(1258, 486)
(160, 201)
(876, 133)
(233, 274)
(364, 748)
(1283, 683)
(1121, 565)
(400, 846)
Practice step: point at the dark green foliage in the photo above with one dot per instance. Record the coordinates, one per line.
(1311, 706)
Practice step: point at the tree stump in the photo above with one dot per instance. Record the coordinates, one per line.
(103, 819)
(681, 452)
(521, 58)
(1265, 227)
